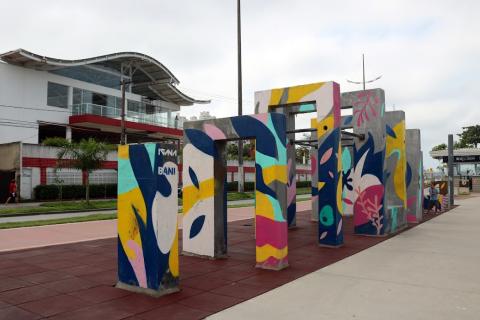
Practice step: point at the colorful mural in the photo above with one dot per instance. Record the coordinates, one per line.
(364, 185)
(147, 218)
(204, 192)
(414, 176)
(395, 172)
(324, 97)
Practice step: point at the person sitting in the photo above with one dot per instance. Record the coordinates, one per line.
(433, 192)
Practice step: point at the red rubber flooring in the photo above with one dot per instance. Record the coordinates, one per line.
(75, 281)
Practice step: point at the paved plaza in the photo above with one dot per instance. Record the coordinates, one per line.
(429, 271)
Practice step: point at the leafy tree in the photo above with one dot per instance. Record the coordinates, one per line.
(470, 137)
(459, 145)
(248, 150)
(441, 146)
(300, 152)
(86, 155)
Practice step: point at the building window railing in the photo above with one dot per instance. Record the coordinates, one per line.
(110, 112)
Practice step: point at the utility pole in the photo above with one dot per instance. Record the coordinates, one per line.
(363, 82)
(240, 112)
(450, 169)
(123, 135)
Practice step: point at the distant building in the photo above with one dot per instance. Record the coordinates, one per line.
(466, 165)
(43, 97)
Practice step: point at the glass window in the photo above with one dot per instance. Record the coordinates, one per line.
(57, 95)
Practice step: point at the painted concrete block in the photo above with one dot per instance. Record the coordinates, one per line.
(414, 176)
(147, 218)
(204, 192)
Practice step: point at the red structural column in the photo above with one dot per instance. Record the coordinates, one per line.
(43, 175)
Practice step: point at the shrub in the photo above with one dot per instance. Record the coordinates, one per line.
(73, 192)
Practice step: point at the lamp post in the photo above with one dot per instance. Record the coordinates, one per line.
(239, 73)
(363, 82)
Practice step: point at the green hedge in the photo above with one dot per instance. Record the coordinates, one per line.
(52, 192)
(250, 186)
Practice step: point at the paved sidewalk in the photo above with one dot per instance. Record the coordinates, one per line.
(428, 272)
(33, 237)
(59, 215)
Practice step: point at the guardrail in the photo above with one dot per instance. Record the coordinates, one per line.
(111, 112)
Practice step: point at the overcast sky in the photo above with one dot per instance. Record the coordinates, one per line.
(428, 52)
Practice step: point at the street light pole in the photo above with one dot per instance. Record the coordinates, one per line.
(363, 70)
(363, 82)
(240, 112)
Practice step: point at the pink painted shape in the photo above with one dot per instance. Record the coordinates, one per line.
(330, 173)
(214, 132)
(314, 164)
(368, 205)
(411, 218)
(270, 232)
(412, 201)
(138, 264)
(263, 117)
(326, 156)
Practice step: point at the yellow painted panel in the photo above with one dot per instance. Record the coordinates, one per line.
(295, 94)
(325, 125)
(263, 206)
(275, 173)
(128, 228)
(123, 152)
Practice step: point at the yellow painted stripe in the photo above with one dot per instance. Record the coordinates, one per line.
(275, 173)
(263, 206)
(192, 195)
(266, 251)
(173, 257)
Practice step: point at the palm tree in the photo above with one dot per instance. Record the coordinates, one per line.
(86, 155)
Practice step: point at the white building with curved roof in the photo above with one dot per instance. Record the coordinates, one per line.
(43, 97)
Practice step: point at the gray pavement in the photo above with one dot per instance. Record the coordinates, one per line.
(428, 272)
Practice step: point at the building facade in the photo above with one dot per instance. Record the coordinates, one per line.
(42, 97)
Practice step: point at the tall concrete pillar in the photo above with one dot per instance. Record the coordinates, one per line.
(414, 176)
(364, 193)
(395, 170)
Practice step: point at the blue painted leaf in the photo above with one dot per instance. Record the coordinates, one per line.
(193, 177)
(409, 174)
(197, 226)
(390, 132)
(348, 120)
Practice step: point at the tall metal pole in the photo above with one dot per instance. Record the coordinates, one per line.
(450, 169)
(240, 112)
(363, 70)
(123, 135)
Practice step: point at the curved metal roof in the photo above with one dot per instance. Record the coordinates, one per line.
(149, 77)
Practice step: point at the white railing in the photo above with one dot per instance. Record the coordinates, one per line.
(110, 112)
